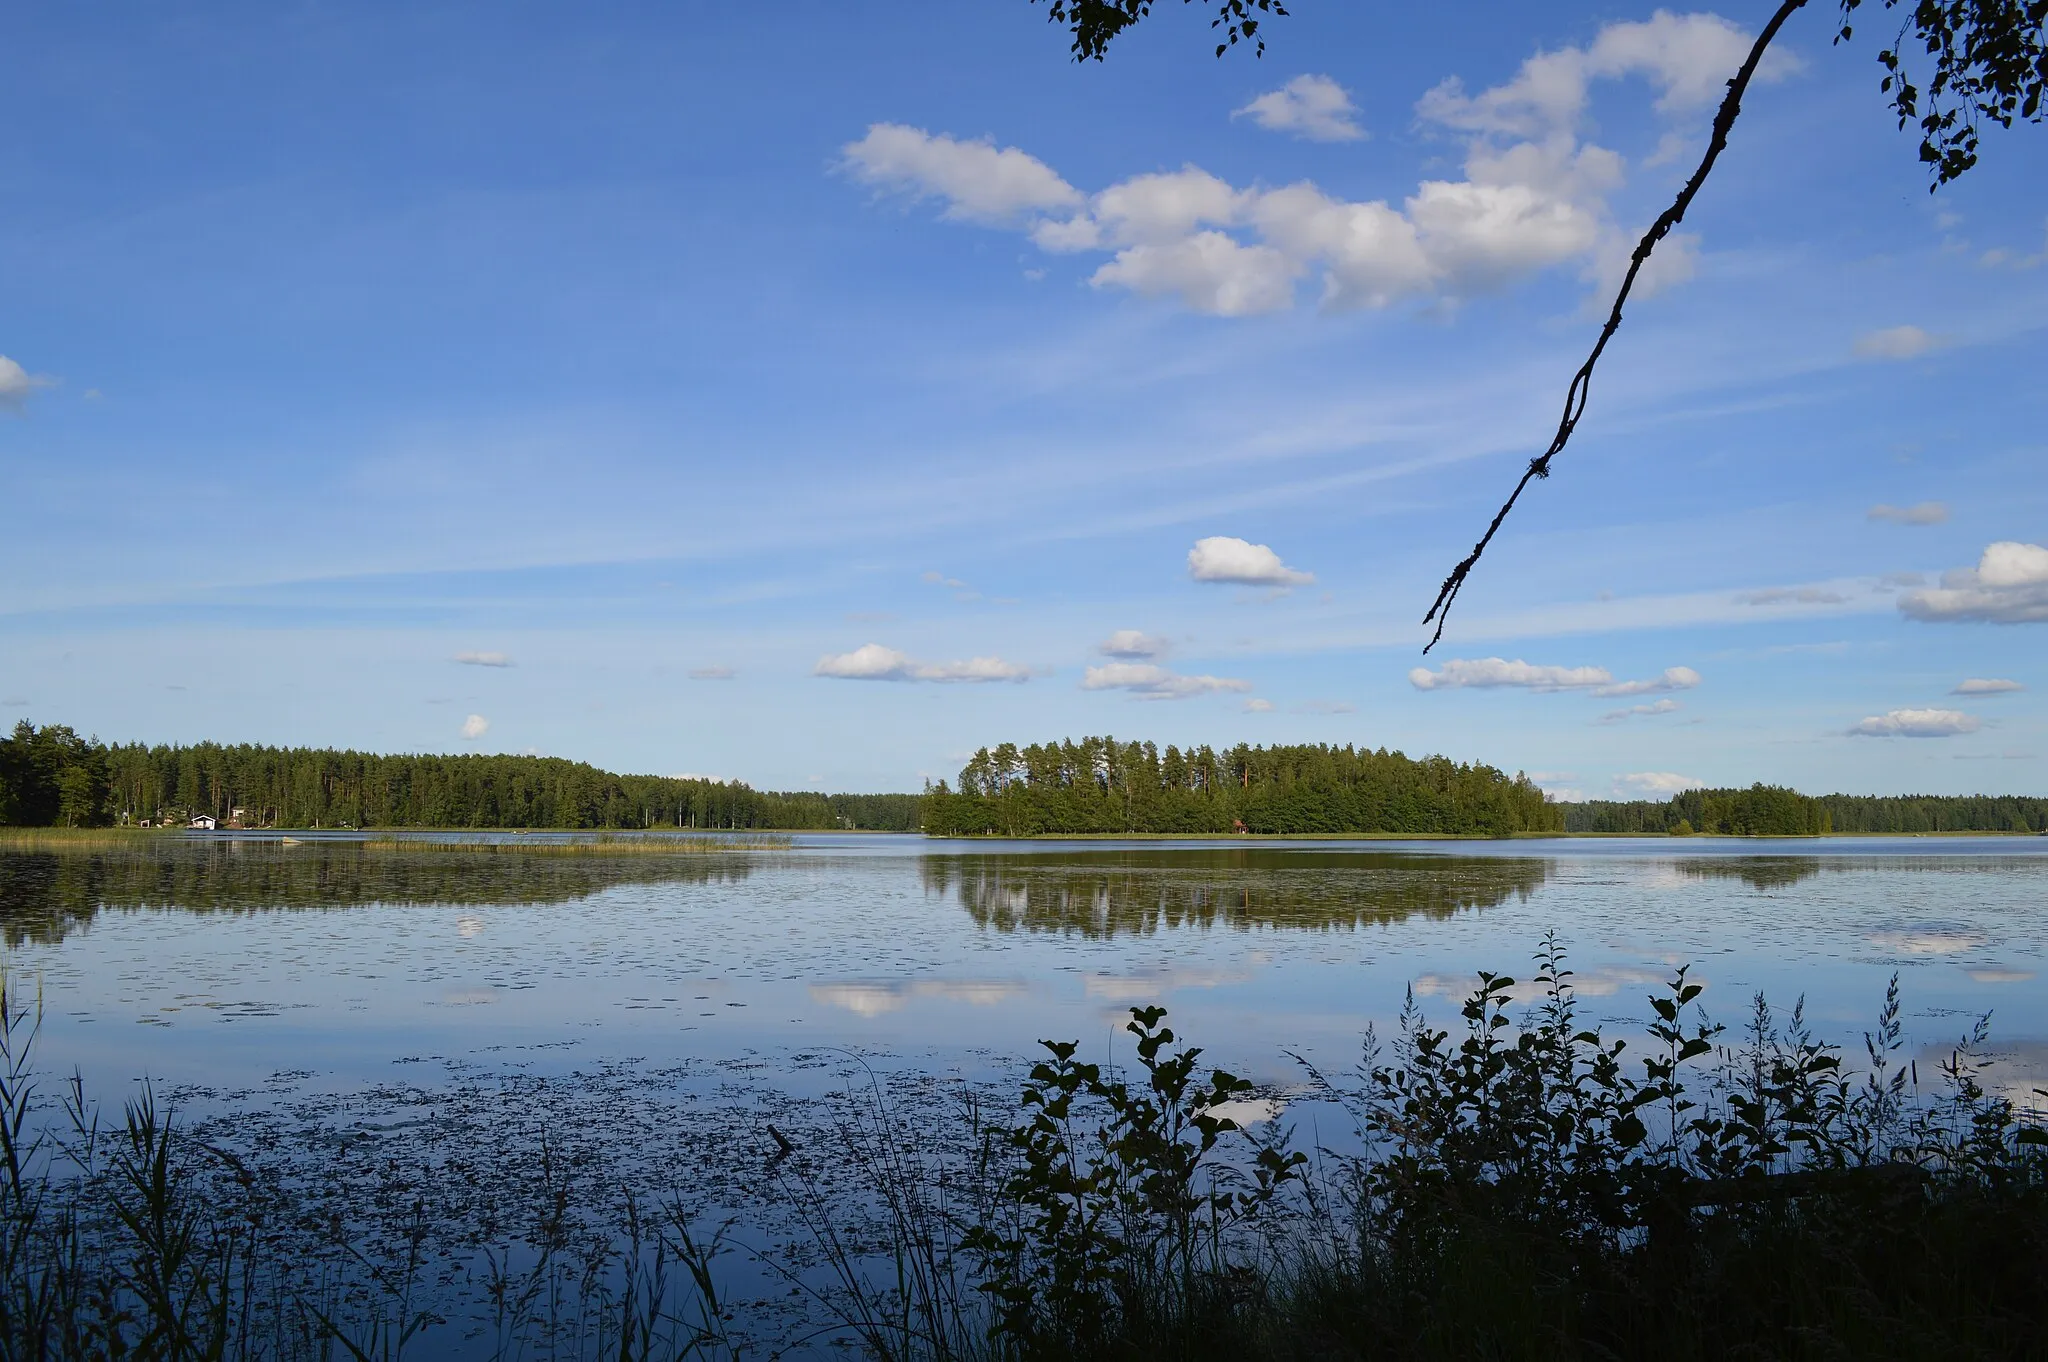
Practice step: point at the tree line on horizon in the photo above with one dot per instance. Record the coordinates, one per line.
(1772, 811)
(52, 777)
(1101, 785)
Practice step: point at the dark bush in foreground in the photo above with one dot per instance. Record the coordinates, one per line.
(1527, 1190)
(1521, 1187)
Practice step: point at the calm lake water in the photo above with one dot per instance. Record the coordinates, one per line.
(455, 1038)
(221, 965)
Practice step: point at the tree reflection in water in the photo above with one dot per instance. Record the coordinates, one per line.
(1105, 894)
(1758, 872)
(47, 894)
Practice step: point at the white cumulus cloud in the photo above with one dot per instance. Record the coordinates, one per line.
(2009, 585)
(1917, 723)
(1221, 558)
(1491, 672)
(17, 384)
(475, 726)
(1673, 678)
(1982, 685)
(1152, 682)
(1210, 271)
(483, 659)
(1920, 513)
(979, 182)
(1313, 107)
(1488, 673)
(873, 662)
(1657, 783)
(1133, 645)
(1533, 193)
(1894, 342)
(1688, 57)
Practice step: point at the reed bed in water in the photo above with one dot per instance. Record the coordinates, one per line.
(603, 844)
(59, 839)
(1520, 1188)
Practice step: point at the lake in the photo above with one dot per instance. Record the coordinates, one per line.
(649, 1014)
(223, 962)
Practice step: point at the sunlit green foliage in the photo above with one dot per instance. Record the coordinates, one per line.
(1100, 785)
(1772, 811)
(52, 776)
(1759, 811)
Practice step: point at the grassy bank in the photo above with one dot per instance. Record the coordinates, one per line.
(1515, 1185)
(58, 839)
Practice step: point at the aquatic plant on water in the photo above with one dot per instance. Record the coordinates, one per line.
(1517, 1185)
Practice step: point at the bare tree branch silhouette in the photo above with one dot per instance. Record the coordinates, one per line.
(1582, 381)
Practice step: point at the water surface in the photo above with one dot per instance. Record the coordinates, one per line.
(224, 963)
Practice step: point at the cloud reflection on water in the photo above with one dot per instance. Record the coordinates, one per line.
(877, 998)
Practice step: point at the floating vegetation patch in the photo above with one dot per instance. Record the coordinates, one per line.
(601, 844)
(84, 839)
(1519, 1187)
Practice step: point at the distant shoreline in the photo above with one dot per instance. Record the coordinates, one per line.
(19, 833)
(1452, 836)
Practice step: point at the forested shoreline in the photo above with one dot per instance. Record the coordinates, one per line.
(1772, 811)
(53, 777)
(1101, 785)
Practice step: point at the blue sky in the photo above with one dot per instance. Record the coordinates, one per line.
(810, 394)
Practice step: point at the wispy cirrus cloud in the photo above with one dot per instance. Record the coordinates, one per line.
(874, 662)
(1615, 716)
(961, 590)
(1919, 513)
(1791, 595)
(713, 673)
(1894, 342)
(483, 659)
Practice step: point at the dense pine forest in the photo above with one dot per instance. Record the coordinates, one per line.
(1771, 811)
(1100, 785)
(53, 777)
(1759, 811)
